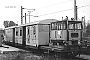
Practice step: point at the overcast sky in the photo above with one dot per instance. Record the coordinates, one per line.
(11, 9)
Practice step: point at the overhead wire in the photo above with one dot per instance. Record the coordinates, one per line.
(83, 6)
(54, 4)
(56, 12)
(63, 10)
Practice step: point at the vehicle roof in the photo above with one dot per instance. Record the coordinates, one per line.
(10, 27)
(71, 21)
(45, 21)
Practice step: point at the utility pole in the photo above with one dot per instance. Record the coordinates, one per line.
(84, 24)
(62, 18)
(25, 18)
(25, 14)
(29, 16)
(21, 15)
(75, 10)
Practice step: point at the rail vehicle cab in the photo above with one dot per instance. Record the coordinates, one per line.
(65, 32)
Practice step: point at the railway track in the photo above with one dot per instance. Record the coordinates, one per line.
(52, 55)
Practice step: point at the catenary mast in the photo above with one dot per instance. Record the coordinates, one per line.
(75, 10)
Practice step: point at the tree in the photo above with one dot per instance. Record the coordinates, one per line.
(88, 26)
(6, 24)
(9, 24)
(87, 30)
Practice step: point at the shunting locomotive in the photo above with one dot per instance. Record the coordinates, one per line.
(66, 32)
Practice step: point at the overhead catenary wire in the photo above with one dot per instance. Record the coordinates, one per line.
(56, 12)
(83, 6)
(63, 10)
(54, 4)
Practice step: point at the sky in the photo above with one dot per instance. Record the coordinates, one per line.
(45, 9)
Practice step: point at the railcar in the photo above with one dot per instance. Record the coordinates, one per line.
(37, 33)
(31, 34)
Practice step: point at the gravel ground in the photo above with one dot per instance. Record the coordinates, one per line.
(18, 55)
(25, 55)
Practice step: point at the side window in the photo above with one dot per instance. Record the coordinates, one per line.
(54, 26)
(28, 31)
(58, 26)
(64, 27)
(20, 31)
(16, 33)
(34, 30)
(61, 26)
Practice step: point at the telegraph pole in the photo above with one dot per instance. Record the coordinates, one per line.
(21, 15)
(75, 10)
